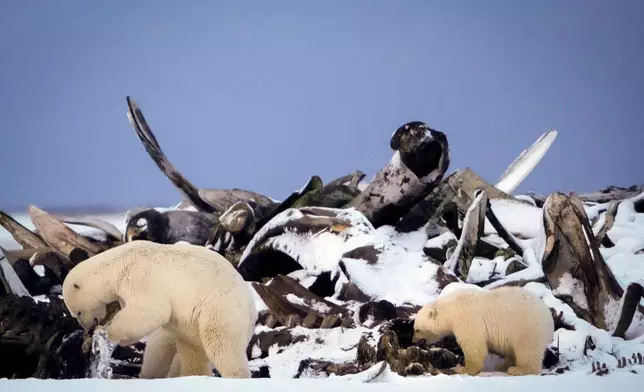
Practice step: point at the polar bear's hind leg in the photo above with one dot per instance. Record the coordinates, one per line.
(225, 349)
(527, 362)
(192, 360)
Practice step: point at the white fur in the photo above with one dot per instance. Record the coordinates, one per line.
(508, 321)
(193, 305)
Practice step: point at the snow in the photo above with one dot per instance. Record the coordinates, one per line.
(516, 217)
(318, 252)
(627, 234)
(483, 269)
(458, 286)
(441, 241)
(259, 303)
(571, 343)
(526, 198)
(412, 241)
(400, 277)
(403, 275)
(569, 286)
(337, 345)
(623, 380)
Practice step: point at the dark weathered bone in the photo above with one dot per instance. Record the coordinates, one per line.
(429, 211)
(413, 360)
(609, 220)
(291, 314)
(153, 148)
(96, 223)
(207, 200)
(465, 182)
(23, 236)
(222, 199)
(329, 196)
(34, 283)
(40, 340)
(314, 183)
(630, 303)
(571, 253)
(53, 262)
(277, 338)
(261, 261)
(611, 193)
(500, 230)
(420, 160)
(352, 179)
(235, 228)
(28, 253)
(473, 225)
(509, 281)
(59, 236)
(284, 285)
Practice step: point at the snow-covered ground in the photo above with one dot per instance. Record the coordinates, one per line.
(622, 381)
(626, 259)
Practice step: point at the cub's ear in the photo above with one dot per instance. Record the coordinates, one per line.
(431, 313)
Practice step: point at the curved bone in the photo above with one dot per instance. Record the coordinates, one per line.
(525, 162)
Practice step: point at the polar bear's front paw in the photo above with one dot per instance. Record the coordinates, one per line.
(118, 336)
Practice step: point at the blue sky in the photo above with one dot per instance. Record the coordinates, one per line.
(261, 95)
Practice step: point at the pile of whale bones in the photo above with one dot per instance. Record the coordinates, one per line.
(303, 255)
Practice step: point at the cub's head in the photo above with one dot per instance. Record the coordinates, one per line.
(81, 299)
(427, 325)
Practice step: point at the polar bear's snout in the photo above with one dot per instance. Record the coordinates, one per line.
(93, 326)
(418, 340)
(86, 321)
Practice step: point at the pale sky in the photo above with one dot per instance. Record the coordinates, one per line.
(261, 95)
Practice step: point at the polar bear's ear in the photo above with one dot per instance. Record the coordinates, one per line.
(76, 286)
(431, 313)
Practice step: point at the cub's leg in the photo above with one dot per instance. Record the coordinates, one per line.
(508, 360)
(528, 361)
(475, 350)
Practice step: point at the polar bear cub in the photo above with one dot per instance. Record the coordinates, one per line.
(191, 300)
(507, 321)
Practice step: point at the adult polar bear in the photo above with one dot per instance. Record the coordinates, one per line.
(190, 299)
(508, 321)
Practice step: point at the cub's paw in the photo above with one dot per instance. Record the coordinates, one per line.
(464, 370)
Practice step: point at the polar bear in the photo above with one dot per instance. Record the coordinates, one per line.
(189, 300)
(508, 321)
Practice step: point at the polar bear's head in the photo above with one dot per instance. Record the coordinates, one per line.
(84, 296)
(428, 326)
(83, 305)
